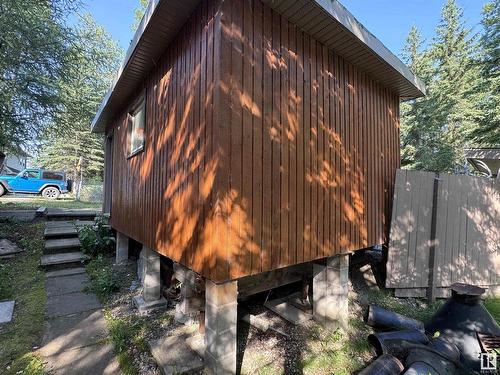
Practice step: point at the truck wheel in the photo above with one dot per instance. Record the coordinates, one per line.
(51, 192)
(2, 190)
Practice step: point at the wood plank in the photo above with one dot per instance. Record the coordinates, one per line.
(314, 151)
(292, 139)
(326, 154)
(443, 252)
(338, 155)
(344, 236)
(397, 254)
(258, 142)
(276, 146)
(320, 212)
(307, 148)
(287, 311)
(247, 229)
(301, 180)
(222, 74)
(355, 159)
(267, 116)
(236, 150)
(285, 150)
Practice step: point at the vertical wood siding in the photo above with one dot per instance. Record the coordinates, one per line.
(312, 146)
(264, 148)
(162, 196)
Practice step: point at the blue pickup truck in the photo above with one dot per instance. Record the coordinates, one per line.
(49, 184)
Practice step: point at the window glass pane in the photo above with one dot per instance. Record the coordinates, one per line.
(137, 131)
(46, 175)
(32, 174)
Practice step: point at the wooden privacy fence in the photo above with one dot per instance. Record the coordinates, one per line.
(465, 227)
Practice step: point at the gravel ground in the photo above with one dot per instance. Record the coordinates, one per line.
(286, 348)
(160, 324)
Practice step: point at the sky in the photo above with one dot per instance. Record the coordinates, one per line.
(388, 20)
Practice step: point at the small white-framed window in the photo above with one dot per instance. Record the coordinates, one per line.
(135, 127)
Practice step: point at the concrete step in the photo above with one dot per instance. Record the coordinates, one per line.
(65, 272)
(61, 232)
(61, 245)
(173, 355)
(53, 262)
(66, 223)
(75, 214)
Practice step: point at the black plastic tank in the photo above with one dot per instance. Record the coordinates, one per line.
(460, 319)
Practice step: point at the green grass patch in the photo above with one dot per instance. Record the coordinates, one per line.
(493, 306)
(127, 333)
(28, 364)
(21, 280)
(103, 280)
(26, 203)
(334, 352)
(416, 309)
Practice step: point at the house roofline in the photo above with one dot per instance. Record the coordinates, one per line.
(152, 37)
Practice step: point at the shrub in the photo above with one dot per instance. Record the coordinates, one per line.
(103, 281)
(97, 238)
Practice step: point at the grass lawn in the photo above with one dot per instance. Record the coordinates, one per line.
(346, 352)
(21, 280)
(12, 202)
(493, 306)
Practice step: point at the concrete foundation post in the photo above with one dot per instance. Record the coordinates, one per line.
(121, 248)
(221, 305)
(330, 291)
(151, 298)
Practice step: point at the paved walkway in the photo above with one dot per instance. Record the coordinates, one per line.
(74, 340)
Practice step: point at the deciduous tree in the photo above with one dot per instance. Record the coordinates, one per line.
(89, 66)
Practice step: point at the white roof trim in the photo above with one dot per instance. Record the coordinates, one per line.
(344, 17)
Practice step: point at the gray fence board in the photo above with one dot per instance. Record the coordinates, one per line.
(467, 232)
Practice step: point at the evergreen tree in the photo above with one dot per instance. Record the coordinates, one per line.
(437, 128)
(414, 112)
(89, 66)
(487, 133)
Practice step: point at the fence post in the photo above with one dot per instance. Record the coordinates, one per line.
(431, 285)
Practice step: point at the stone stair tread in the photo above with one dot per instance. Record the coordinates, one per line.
(63, 231)
(62, 243)
(62, 258)
(73, 213)
(65, 272)
(68, 223)
(59, 224)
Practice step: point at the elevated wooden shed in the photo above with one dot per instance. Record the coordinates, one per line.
(246, 136)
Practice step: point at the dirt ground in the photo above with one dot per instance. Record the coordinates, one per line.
(287, 349)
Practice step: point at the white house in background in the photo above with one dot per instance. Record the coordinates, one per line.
(13, 163)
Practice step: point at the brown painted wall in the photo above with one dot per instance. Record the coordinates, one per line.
(264, 149)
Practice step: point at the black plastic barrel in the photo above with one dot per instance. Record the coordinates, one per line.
(378, 317)
(459, 320)
(390, 342)
(384, 365)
